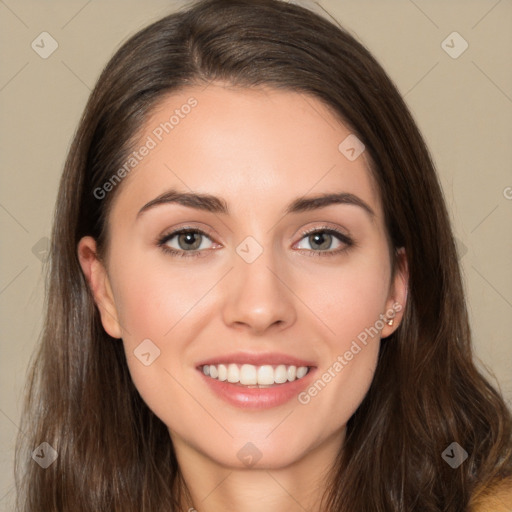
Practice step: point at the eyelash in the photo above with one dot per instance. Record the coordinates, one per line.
(197, 253)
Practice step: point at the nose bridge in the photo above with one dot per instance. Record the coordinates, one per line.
(257, 297)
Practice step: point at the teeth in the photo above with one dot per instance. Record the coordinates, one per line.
(250, 375)
(280, 374)
(223, 372)
(266, 375)
(233, 373)
(301, 371)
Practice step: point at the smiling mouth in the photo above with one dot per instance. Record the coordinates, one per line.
(251, 376)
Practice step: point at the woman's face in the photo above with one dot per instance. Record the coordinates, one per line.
(268, 281)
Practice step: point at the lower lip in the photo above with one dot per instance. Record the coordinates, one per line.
(258, 398)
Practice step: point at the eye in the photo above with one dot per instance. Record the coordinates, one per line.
(188, 242)
(321, 241)
(183, 241)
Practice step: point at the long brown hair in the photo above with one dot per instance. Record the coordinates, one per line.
(114, 454)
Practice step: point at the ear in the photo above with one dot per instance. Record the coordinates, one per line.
(395, 304)
(99, 283)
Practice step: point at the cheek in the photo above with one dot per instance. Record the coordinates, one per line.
(152, 298)
(153, 307)
(349, 299)
(349, 304)
(159, 303)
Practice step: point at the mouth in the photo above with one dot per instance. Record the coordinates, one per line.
(256, 382)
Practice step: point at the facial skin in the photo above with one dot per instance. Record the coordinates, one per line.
(259, 150)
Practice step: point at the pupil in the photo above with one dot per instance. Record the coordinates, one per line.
(322, 240)
(188, 239)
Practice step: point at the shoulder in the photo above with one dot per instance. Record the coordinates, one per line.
(495, 498)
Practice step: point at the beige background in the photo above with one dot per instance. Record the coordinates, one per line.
(463, 107)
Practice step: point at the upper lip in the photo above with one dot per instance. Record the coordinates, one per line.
(270, 358)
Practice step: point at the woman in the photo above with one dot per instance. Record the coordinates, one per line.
(254, 298)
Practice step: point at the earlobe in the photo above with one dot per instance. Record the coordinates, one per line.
(397, 299)
(99, 284)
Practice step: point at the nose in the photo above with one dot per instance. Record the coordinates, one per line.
(258, 297)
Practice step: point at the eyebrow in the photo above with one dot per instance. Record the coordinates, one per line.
(216, 204)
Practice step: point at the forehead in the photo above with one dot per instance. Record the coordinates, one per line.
(254, 147)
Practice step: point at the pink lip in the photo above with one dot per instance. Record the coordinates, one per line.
(257, 398)
(271, 358)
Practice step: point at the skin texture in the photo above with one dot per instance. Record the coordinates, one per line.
(258, 149)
